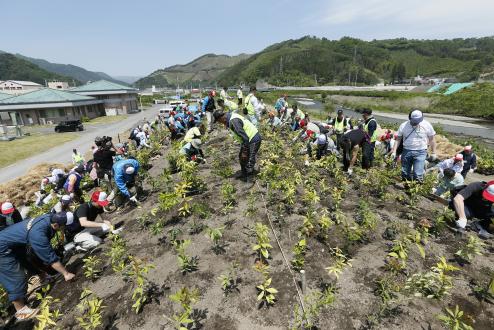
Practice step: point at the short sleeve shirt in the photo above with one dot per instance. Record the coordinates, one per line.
(86, 210)
(416, 138)
(473, 199)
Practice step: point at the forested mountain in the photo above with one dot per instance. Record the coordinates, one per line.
(69, 70)
(204, 69)
(15, 68)
(304, 61)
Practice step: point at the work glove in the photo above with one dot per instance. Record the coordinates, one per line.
(105, 227)
(133, 199)
(350, 171)
(433, 157)
(71, 195)
(461, 223)
(471, 170)
(393, 155)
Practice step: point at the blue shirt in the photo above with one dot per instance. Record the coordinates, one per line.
(38, 237)
(122, 178)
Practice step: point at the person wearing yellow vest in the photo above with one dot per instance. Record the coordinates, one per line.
(370, 127)
(252, 107)
(227, 105)
(340, 125)
(194, 133)
(77, 157)
(247, 135)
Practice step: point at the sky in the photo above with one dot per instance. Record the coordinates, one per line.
(134, 38)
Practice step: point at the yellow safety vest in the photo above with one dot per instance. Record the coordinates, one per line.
(250, 108)
(231, 105)
(248, 127)
(373, 138)
(339, 126)
(78, 158)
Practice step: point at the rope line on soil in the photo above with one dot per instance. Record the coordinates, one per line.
(301, 300)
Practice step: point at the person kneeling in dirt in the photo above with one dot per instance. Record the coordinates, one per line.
(124, 173)
(448, 180)
(72, 185)
(194, 133)
(14, 242)
(475, 201)
(247, 134)
(10, 215)
(84, 231)
(192, 150)
(63, 205)
(350, 144)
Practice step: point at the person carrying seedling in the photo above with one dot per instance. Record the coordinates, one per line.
(469, 161)
(192, 150)
(455, 163)
(475, 201)
(72, 185)
(247, 134)
(415, 135)
(448, 180)
(15, 241)
(9, 215)
(125, 173)
(85, 232)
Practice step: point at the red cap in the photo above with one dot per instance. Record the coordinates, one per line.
(309, 133)
(488, 192)
(7, 208)
(99, 197)
(303, 123)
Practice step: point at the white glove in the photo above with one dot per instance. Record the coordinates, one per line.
(433, 157)
(393, 154)
(105, 227)
(350, 171)
(71, 195)
(461, 223)
(471, 170)
(307, 162)
(133, 199)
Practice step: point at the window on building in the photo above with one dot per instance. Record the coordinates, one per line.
(61, 112)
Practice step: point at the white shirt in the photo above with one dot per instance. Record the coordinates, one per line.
(224, 95)
(450, 163)
(240, 95)
(416, 138)
(256, 104)
(142, 136)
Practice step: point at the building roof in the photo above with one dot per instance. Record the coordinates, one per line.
(102, 86)
(45, 95)
(5, 96)
(22, 82)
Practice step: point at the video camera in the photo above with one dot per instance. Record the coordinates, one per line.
(105, 141)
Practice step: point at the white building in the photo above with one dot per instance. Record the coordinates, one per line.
(58, 85)
(18, 86)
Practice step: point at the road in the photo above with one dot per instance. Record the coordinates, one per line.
(62, 154)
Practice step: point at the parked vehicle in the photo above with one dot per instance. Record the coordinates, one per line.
(69, 126)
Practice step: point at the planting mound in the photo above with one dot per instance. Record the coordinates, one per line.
(299, 247)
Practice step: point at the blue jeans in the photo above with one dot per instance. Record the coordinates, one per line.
(415, 159)
(12, 276)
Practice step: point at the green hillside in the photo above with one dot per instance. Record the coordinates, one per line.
(15, 68)
(69, 70)
(204, 70)
(304, 61)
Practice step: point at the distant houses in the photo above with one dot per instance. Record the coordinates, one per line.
(16, 87)
(41, 105)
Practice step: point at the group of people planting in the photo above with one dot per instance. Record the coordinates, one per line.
(25, 248)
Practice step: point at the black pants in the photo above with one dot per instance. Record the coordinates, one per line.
(368, 154)
(338, 140)
(247, 156)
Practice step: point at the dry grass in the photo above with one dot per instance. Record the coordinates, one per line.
(20, 191)
(31, 145)
(107, 119)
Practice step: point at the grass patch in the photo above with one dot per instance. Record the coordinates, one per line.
(31, 145)
(107, 119)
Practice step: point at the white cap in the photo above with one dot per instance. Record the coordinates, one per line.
(416, 117)
(130, 170)
(321, 139)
